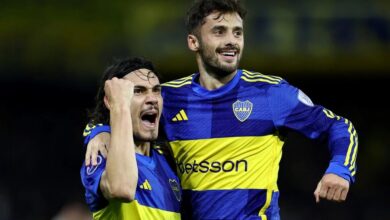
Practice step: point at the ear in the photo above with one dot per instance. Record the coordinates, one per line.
(193, 42)
(106, 102)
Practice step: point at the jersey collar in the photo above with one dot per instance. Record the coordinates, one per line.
(198, 89)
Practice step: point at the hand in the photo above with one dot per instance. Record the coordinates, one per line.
(332, 187)
(118, 93)
(100, 143)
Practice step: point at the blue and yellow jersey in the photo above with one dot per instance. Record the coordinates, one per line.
(157, 196)
(227, 143)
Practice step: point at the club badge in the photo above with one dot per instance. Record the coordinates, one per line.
(242, 110)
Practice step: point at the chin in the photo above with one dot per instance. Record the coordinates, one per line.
(145, 137)
(229, 68)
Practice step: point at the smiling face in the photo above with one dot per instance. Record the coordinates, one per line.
(146, 104)
(219, 42)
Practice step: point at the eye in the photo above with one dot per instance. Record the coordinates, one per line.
(238, 33)
(138, 91)
(157, 90)
(218, 31)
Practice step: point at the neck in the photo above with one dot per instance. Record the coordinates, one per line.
(211, 80)
(142, 148)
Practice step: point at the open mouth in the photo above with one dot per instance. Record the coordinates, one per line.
(228, 53)
(149, 118)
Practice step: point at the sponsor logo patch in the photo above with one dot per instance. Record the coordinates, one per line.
(302, 97)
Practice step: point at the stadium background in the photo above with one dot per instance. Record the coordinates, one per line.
(52, 54)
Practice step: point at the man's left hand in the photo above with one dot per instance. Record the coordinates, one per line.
(332, 187)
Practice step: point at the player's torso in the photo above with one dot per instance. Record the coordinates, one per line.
(158, 193)
(224, 144)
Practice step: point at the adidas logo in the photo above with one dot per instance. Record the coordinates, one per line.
(181, 116)
(146, 185)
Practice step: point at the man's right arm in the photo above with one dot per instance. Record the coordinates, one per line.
(119, 180)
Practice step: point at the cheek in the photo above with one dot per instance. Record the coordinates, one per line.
(160, 103)
(134, 110)
(242, 43)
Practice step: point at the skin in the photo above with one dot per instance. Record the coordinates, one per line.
(129, 99)
(224, 33)
(220, 33)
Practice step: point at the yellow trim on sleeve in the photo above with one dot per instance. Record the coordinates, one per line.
(89, 127)
(351, 142)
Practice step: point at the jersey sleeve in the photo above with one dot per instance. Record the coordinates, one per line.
(90, 178)
(292, 109)
(92, 130)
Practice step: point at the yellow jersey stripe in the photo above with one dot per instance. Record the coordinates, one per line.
(352, 151)
(89, 127)
(329, 113)
(179, 81)
(326, 113)
(263, 75)
(258, 80)
(350, 143)
(259, 77)
(354, 155)
(177, 86)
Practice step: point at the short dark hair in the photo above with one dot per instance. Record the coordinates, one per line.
(119, 68)
(203, 8)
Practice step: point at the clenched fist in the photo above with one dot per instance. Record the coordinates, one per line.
(332, 187)
(119, 93)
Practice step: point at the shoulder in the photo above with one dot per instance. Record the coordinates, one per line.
(255, 78)
(177, 83)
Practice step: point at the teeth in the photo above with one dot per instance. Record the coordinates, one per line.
(228, 53)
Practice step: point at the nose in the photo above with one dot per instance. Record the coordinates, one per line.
(151, 99)
(231, 40)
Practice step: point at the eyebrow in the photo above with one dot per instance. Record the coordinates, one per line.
(217, 27)
(221, 27)
(144, 87)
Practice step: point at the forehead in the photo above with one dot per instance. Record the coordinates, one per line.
(226, 19)
(143, 77)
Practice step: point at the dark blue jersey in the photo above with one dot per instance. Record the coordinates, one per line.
(157, 196)
(227, 142)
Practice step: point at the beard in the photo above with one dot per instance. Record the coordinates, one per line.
(213, 65)
(148, 137)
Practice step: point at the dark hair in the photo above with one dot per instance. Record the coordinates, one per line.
(203, 8)
(119, 69)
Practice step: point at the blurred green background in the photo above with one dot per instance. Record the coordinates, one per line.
(52, 54)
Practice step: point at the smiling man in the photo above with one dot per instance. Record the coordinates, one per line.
(226, 126)
(135, 182)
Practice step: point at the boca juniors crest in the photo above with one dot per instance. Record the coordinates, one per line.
(242, 110)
